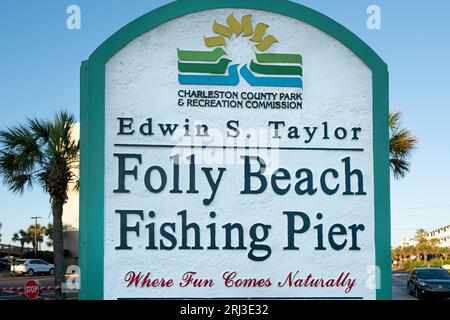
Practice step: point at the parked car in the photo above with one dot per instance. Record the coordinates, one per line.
(5, 264)
(429, 282)
(30, 267)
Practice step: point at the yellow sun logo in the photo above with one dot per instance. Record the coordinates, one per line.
(216, 67)
(244, 28)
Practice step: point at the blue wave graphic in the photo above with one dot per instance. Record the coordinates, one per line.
(232, 79)
(270, 81)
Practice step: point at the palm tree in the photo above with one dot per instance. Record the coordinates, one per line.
(434, 246)
(421, 233)
(444, 252)
(42, 152)
(39, 234)
(0, 233)
(412, 251)
(396, 255)
(23, 237)
(401, 144)
(423, 245)
(49, 232)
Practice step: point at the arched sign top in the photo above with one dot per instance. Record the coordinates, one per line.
(287, 8)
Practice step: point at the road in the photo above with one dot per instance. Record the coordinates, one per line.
(8, 281)
(399, 279)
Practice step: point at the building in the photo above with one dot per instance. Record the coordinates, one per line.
(442, 234)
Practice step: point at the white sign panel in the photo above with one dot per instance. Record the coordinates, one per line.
(238, 162)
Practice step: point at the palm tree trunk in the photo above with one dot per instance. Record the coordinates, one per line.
(58, 245)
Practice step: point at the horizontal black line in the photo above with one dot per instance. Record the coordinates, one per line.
(252, 298)
(193, 146)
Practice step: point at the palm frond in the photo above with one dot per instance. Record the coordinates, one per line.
(16, 171)
(399, 168)
(40, 151)
(76, 186)
(394, 119)
(39, 128)
(401, 145)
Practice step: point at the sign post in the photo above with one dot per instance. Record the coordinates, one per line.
(234, 149)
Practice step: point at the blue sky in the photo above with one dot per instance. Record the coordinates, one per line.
(39, 74)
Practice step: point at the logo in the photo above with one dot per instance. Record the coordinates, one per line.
(214, 67)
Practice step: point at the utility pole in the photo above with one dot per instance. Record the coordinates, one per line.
(35, 235)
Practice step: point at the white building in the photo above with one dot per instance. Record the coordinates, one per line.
(71, 213)
(71, 208)
(442, 234)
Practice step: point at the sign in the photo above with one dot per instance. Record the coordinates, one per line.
(32, 289)
(234, 149)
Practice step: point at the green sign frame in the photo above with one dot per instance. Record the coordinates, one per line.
(92, 110)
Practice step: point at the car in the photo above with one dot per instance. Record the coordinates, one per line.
(5, 264)
(429, 282)
(30, 267)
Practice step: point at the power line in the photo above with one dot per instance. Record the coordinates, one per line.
(408, 229)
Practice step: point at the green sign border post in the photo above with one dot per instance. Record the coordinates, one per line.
(91, 246)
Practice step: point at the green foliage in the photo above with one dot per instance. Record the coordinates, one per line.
(23, 237)
(411, 264)
(40, 232)
(42, 152)
(44, 255)
(27, 237)
(49, 232)
(401, 145)
(426, 252)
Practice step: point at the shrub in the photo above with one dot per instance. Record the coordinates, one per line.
(411, 264)
(47, 256)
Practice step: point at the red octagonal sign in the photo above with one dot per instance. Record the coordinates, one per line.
(32, 289)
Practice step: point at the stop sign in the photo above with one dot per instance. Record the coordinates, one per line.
(32, 289)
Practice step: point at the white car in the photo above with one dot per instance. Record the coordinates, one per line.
(30, 267)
